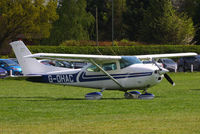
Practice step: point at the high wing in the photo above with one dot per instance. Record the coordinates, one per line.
(74, 57)
(156, 56)
(103, 57)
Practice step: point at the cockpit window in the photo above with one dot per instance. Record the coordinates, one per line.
(109, 66)
(129, 60)
(93, 68)
(105, 66)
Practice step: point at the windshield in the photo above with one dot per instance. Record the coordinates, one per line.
(10, 63)
(129, 60)
(198, 56)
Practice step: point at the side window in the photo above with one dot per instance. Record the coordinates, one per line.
(93, 68)
(3, 63)
(109, 66)
(106, 67)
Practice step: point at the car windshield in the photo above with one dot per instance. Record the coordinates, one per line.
(129, 60)
(10, 63)
(198, 56)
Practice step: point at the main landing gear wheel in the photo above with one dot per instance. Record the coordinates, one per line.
(93, 96)
(138, 95)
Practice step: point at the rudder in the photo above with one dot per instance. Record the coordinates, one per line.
(30, 66)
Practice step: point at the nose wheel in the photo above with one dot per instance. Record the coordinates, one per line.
(138, 95)
(132, 95)
(146, 96)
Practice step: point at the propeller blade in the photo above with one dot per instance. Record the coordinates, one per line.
(169, 79)
(156, 64)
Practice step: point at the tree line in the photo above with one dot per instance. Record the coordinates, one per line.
(148, 21)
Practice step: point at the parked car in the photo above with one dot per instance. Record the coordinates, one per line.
(169, 64)
(3, 73)
(64, 64)
(151, 62)
(46, 62)
(9, 65)
(185, 63)
(79, 64)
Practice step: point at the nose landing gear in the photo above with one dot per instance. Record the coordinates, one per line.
(132, 95)
(138, 95)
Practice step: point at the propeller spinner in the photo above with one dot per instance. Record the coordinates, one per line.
(164, 71)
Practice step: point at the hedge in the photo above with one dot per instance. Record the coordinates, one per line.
(115, 50)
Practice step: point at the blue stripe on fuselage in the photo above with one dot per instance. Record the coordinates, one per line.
(86, 78)
(72, 78)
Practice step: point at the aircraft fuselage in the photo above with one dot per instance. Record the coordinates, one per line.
(137, 76)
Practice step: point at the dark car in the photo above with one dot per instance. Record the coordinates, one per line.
(169, 64)
(64, 64)
(79, 64)
(188, 63)
(3, 73)
(10, 65)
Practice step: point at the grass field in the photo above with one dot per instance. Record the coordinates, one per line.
(37, 108)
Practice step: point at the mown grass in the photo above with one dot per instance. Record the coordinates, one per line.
(38, 108)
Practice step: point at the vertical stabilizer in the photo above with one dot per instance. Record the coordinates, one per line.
(30, 66)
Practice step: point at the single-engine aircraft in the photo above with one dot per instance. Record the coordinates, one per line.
(103, 72)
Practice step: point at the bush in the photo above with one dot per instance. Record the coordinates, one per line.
(161, 24)
(116, 50)
(78, 43)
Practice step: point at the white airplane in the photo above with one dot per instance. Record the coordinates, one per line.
(103, 72)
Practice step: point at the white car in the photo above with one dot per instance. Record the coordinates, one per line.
(151, 62)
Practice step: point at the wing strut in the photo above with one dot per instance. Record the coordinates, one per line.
(93, 62)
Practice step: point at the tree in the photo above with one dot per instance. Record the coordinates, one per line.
(73, 24)
(27, 17)
(192, 9)
(161, 25)
(119, 27)
(105, 17)
(133, 17)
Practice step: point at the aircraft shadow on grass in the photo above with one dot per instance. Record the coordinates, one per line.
(195, 89)
(40, 98)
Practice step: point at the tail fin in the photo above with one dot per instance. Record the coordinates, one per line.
(30, 66)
